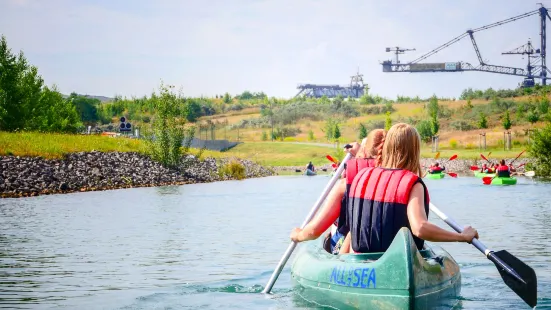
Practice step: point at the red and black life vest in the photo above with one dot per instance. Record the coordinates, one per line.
(503, 172)
(353, 166)
(437, 169)
(377, 207)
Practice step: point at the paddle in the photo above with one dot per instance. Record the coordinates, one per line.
(486, 159)
(309, 217)
(475, 168)
(530, 173)
(331, 159)
(437, 155)
(520, 277)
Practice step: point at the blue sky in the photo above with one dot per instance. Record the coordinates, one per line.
(210, 47)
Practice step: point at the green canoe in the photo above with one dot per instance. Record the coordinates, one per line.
(435, 175)
(504, 181)
(482, 174)
(400, 278)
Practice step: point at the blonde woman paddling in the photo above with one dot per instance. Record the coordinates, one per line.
(391, 196)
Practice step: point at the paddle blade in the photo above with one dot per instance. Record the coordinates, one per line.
(484, 157)
(453, 157)
(528, 290)
(530, 173)
(437, 155)
(487, 180)
(489, 154)
(475, 168)
(452, 174)
(334, 165)
(331, 158)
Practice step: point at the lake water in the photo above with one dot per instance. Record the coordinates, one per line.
(214, 246)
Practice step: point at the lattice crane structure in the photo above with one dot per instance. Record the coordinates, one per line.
(535, 69)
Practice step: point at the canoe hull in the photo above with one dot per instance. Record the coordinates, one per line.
(436, 176)
(309, 172)
(481, 174)
(504, 181)
(401, 278)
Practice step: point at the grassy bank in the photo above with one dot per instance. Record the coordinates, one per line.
(266, 153)
(55, 145)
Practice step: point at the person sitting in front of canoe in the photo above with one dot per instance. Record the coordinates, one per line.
(502, 170)
(436, 169)
(511, 168)
(391, 196)
(334, 210)
(484, 168)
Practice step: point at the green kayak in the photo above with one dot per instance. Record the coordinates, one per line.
(435, 175)
(504, 181)
(482, 174)
(400, 278)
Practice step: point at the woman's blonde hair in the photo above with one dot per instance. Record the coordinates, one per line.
(401, 149)
(370, 145)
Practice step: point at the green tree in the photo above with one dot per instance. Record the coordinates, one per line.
(482, 122)
(363, 131)
(336, 132)
(424, 129)
(433, 108)
(329, 129)
(227, 98)
(543, 105)
(86, 107)
(264, 136)
(434, 126)
(311, 135)
(507, 121)
(469, 105)
(388, 121)
(540, 150)
(533, 117)
(167, 131)
(191, 110)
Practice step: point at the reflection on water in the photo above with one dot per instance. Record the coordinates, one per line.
(215, 245)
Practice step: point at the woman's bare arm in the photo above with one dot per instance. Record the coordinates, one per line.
(326, 216)
(422, 228)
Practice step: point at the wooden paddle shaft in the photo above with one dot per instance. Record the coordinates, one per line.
(309, 217)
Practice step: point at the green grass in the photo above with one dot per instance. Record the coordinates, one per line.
(56, 145)
(279, 153)
(266, 153)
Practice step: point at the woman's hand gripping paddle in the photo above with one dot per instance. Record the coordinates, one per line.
(520, 277)
(309, 217)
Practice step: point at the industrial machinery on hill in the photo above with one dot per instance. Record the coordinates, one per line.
(535, 69)
(354, 90)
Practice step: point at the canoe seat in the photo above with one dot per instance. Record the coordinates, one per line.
(425, 253)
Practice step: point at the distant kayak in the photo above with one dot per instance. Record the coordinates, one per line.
(482, 174)
(504, 181)
(435, 175)
(309, 172)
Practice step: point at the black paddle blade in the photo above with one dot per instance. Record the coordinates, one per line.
(520, 277)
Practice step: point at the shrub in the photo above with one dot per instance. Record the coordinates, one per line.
(540, 149)
(453, 143)
(462, 125)
(233, 169)
(264, 136)
(470, 146)
(425, 130)
(311, 135)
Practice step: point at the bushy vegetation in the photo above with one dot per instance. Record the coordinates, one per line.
(26, 103)
(167, 132)
(233, 169)
(540, 149)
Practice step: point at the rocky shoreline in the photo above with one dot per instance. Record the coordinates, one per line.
(93, 171)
